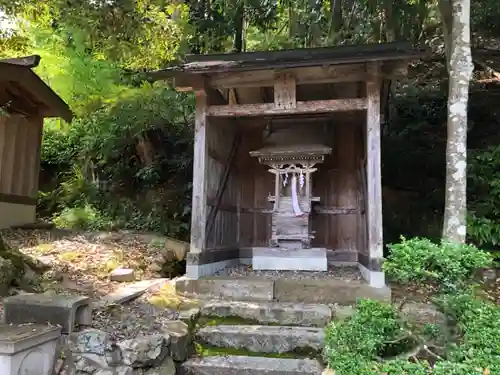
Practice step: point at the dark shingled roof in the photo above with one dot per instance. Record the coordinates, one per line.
(21, 90)
(226, 62)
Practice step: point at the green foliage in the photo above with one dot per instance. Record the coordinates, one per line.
(82, 218)
(484, 195)
(353, 343)
(376, 340)
(421, 260)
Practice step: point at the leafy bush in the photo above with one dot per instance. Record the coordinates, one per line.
(421, 260)
(82, 218)
(377, 340)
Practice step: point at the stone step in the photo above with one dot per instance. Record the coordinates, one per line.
(287, 314)
(263, 339)
(242, 365)
(341, 292)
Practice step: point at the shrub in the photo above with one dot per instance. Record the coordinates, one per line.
(421, 260)
(376, 340)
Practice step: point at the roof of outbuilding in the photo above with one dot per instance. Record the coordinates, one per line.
(23, 91)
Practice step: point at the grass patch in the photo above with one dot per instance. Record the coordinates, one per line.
(167, 298)
(209, 351)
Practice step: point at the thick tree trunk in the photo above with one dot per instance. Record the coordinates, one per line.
(455, 220)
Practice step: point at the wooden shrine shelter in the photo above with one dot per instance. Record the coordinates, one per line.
(25, 100)
(287, 170)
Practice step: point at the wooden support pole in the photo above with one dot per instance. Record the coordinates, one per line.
(373, 170)
(200, 170)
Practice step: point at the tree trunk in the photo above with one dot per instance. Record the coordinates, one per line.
(455, 212)
(446, 10)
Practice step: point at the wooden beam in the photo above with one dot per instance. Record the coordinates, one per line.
(285, 91)
(200, 172)
(309, 75)
(265, 109)
(373, 167)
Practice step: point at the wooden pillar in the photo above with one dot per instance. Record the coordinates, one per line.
(200, 171)
(374, 177)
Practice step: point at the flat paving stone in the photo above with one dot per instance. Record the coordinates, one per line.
(296, 314)
(63, 310)
(131, 291)
(242, 365)
(263, 339)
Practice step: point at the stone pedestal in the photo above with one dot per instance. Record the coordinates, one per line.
(28, 349)
(265, 258)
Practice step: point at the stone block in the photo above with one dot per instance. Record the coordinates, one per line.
(263, 339)
(132, 291)
(180, 339)
(28, 349)
(326, 291)
(231, 288)
(144, 351)
(122, 275)
(296, 314)
(290, 259)
(243, 365)
(66, 311)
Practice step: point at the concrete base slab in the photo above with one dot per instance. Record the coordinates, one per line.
(289, 259)
(242, 365)
(66, 311)
(28, 349)
(243, 289)
(263, 339)
(287, 314)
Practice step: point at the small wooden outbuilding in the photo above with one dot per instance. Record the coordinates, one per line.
(247, 101)
(25, 100)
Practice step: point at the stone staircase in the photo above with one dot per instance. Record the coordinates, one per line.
(260, 338)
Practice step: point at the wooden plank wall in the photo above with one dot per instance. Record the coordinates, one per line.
(224, 233)
(20, 140)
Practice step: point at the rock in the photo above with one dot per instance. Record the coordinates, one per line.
(114, 357)
(144, 351)
(328, 372)
(190, 316)
(122, 275)
(180, 339)
(423, 313)
(7, 275)
(343, 312)
(104, 372)
(90, 341)
(124, 370)
(86, 365)
(166, 368)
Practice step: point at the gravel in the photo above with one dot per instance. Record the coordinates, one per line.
(339, 273)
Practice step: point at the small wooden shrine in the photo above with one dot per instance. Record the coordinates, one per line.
(287, 170)
(25, 100)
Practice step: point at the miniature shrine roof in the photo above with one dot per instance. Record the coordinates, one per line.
(226, 62)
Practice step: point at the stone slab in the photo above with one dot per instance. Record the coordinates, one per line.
(242, 365)
(132, 291)
(28, 349)
(326, 291)
(122, 275)
(62, 310)
(296, 314)
(263, 339)
(314, 259)
(231, 288)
